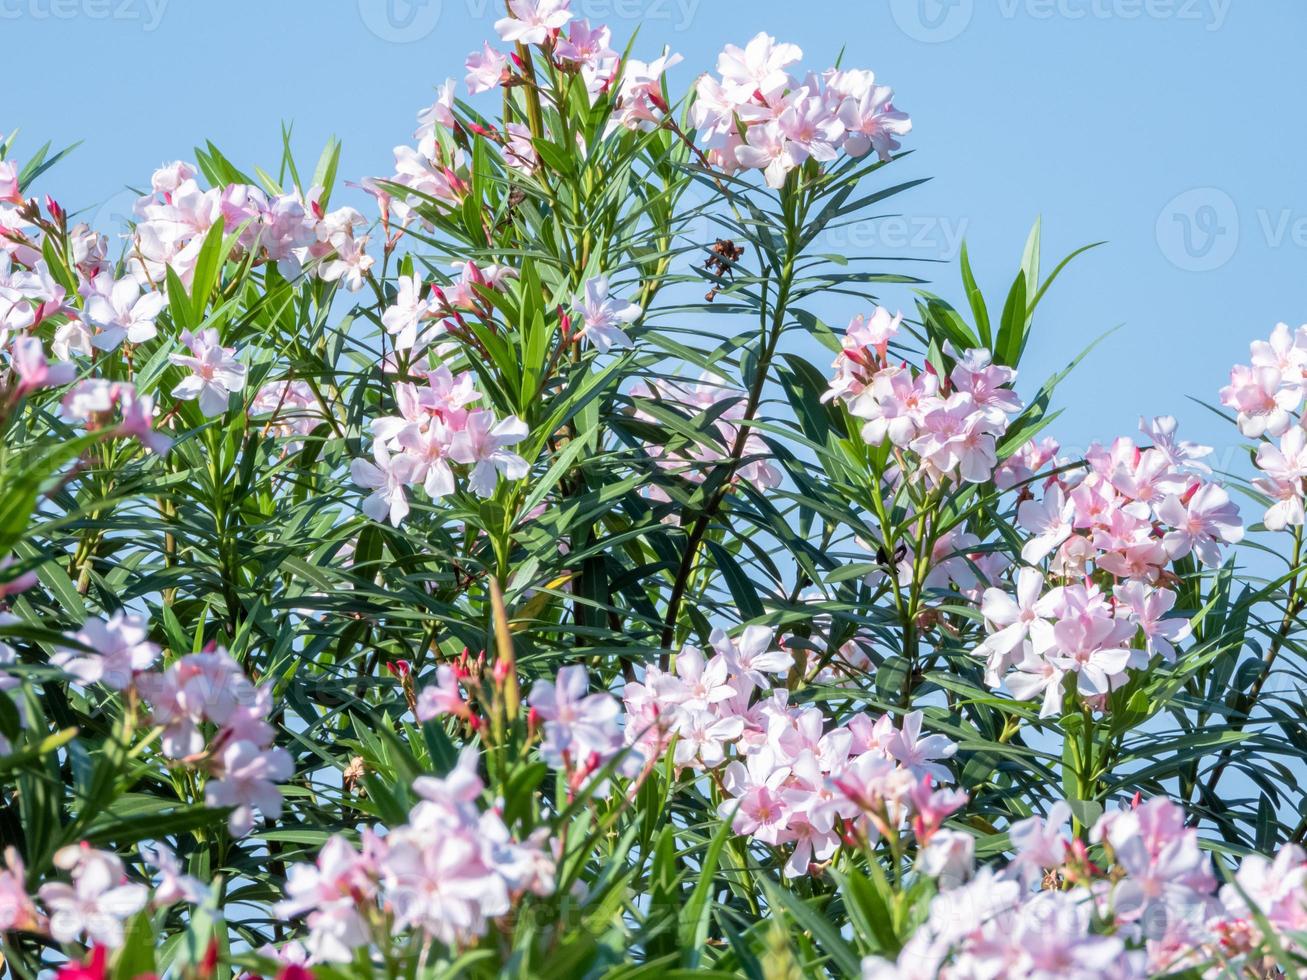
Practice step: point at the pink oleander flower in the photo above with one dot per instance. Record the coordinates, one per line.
(1039, 841)
(699, 683)
(1160, 855)
(483, 444)
(429, 447)
(757, 67)
(1285, 467)
(419, 173)
(462, 293)
(1086, 639)
(865, 349)
(519, 150)
(893, 401)
(751, 654)
(285, 230)
(931, 806)
(333, 892)
(1149, 606)
(949, 857)
(205, 687)
(1026, 463)
(577, 723)
(403, 319)
(17, 910)
(292, 409)
(174, 885)
(1050, 520)
(342, 255)
(32, 370)
(16, 313)
(447, 394)
(765, 148)
(1009, 621)
(246, 780)
(442, 698)
(1161, 431)
(119, 649)
(713, 113)
(916, 753)
(602, 316)
(215, 376)
(386, 478)
(1201, 524)
(1276, 888)
(640, 101)
(137, 420)
(873, 122)
(9, 191)
(486, 69)
(93, 401)
(589, 49)
(533, 21)
(754, 787)
(437, 116)
(988, 384)
(97, 903)
(1262, 400)
(170, 177)
(701, 737)
(1035, 675)
(810, 130)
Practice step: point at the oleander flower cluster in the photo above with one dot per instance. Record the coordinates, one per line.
(950, 425)
(788, 775)
(209, 714)
(444, 875)
(292, 231)
(1107, 528)
(755, 115)
(99, 898)
(1267, 395)
(1136, 898)
(435, 428)
(467, 572)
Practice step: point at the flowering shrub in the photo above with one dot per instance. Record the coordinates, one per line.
(491, 578)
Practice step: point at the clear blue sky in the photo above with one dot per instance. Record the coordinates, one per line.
(1172, 129)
